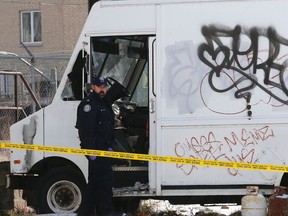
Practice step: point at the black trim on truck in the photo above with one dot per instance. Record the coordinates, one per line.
(21, 181)
(185, 187)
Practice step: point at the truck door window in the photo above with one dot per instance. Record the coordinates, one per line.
(73, 89)
(140, 95)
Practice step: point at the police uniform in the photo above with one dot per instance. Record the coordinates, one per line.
(95, 124)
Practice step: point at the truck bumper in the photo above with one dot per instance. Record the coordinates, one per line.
(21, 181)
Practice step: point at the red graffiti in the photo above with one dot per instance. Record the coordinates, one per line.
(237, 147)
(249, 137)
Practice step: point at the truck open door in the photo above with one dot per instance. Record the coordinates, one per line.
(152, 111)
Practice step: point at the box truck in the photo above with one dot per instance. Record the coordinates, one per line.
(207, 79)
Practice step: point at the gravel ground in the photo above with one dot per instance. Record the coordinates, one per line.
(154, 208)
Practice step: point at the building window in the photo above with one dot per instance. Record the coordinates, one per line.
(6, 86)
(31, 30)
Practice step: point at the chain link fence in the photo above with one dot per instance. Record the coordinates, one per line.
(19, 75)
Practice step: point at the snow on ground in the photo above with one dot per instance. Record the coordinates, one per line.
(160, 206)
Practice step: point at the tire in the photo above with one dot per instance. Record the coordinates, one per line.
(60, 190)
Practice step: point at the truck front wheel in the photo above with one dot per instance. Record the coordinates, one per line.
(60, 190)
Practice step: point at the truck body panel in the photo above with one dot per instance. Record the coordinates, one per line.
(30, 131)
(207, 80)
(211, 71)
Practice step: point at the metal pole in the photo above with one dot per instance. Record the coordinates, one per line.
(32, 75)
(25, 83)
(16, 96)
(14, 55)
(33, 82)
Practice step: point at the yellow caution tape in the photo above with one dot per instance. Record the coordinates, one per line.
(148, 157)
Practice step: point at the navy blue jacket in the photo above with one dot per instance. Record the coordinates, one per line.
(95, 123)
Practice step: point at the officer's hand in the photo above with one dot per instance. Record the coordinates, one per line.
(92, 158)
(110, 149)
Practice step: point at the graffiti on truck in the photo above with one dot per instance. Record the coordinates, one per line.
(243, 71)
(247, 64)
(237, 146)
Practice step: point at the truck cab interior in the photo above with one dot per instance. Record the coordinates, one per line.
(123, 61)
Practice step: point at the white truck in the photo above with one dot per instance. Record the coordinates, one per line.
(207, 79)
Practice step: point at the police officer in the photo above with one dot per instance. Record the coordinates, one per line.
(95, 124)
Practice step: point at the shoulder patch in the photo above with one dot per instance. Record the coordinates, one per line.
(87, 108)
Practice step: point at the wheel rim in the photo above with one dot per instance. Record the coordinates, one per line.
(64, 196)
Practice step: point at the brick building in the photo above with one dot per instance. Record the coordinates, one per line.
(57, 25)
(49, 29)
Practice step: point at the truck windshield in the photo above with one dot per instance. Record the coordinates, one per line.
(116, 57)
(114, 66)
(121, 58)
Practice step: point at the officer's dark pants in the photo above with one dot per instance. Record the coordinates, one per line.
(98, 193)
